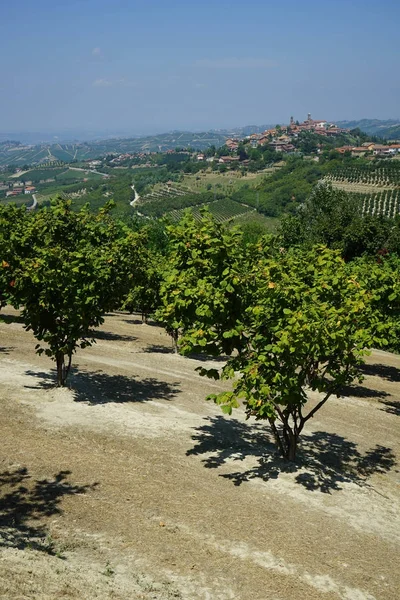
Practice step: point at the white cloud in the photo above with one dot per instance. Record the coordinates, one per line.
(236, 63)
(102, 83)
(122, 82)
(97, 52)
(125, 82)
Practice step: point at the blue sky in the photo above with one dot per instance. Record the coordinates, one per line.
(150, 66)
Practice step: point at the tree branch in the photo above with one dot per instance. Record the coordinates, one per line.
(315, 409)
(278, 440)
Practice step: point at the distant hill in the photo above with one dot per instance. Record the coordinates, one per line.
(389, 129)
(246, 130)
(13, 153)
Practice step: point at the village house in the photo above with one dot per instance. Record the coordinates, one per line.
(380, 150)
(284, 139)
(344, 149)
(14, 192)
(333, 130)
(359, 151)
(228, 159)
(29, 189)
(281, 147)
(232, 144)
(368, 145)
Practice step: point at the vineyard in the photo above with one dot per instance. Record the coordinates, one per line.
(167, 191)
(49, 165)
(376, 186)
(172, 199)
(222, 210)
(167, 198)
(382, 174)
(37, 175)
(386, 203)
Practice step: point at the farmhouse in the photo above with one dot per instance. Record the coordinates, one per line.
(358, 151)
(14, 192)
(29, 189)
(228, 159)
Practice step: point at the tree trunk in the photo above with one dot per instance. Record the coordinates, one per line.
(175, 336)
(61, 375)
(278, 441)
(286, 440)
(291, 443)
(291, 450)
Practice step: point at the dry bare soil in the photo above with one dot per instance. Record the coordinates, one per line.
(129, 485)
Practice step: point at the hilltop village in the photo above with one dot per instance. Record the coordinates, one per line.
(282, 138)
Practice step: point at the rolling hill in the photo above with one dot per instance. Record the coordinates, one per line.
(389, 129)
(14, 153)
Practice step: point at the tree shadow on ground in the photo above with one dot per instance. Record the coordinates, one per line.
(158, 348)
(208, 358)
(97, 387)
(5, 318)
(392, 407)
(325, 460)
(6, 349)
(140, 321)
(384, 371)
(112, 337)
(361, 391)
(134, 319)
(25, 503)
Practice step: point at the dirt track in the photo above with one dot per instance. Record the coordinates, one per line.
(130, 485)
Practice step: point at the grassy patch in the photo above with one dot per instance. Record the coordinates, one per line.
(18, 200)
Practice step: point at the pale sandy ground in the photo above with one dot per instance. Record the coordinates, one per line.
(129, 485)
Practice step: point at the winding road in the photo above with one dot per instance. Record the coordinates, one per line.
(34, 205)
(136, 198)
(89, 171)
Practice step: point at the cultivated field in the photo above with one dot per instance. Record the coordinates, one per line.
(130, 486)
(208, 180)
(193, 186)
(229, 181)
(376, 187)
(222, 210)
